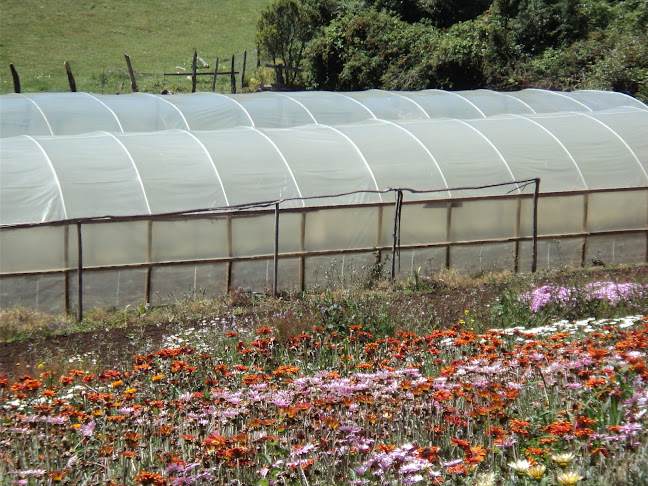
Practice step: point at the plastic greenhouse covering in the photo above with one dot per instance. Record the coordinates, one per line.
(75, 113)
(69, 156)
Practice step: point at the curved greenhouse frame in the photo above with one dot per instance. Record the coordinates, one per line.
(75, 113)
(160, 189)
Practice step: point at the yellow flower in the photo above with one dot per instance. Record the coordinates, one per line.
(537, 471)
(569, 478)
(563, 459)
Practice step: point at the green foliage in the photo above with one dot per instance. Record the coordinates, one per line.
(354, 52)
(496, 44)
(282, 33)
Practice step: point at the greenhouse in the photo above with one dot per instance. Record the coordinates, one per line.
(152, 197)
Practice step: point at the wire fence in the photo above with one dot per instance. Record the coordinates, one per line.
(450, 215)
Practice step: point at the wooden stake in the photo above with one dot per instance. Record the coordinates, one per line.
(243, 69)
(215, 75)
(233, 77)
(131, 73)
(193, 71)
(16, 79)
(68, 69)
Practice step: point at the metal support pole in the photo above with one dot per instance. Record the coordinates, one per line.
(149, 254)
(276, 252)
(79, 273)
(536, 192)
(396, 235)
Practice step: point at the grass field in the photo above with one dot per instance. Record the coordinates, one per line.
(38, 37)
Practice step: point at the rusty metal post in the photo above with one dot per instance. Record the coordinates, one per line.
(396, 235)
(79, 273)
(275, 276)
(536, 192)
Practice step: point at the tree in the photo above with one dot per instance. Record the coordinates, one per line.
(282, 34)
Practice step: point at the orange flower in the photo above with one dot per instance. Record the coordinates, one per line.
(464, 444)
(146, 478)
(56, 476)
(474, 455)
(559, 428)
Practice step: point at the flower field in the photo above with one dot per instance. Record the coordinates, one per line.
(565, 403)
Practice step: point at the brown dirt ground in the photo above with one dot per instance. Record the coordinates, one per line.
(113, 347)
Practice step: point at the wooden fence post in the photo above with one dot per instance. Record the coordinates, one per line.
(131, 73)
(233, 76)
(68, 69)
(16, 79)
(193, 71)
(215, 75)
(243, 69)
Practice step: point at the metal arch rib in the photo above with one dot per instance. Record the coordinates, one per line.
(427, 151)
(519, 101)
(56, 177)
(274, 145)
(357, 149)
(356, 101)
(220, 181)
(635, 100)
(559, 143)
(239, 105)
(40, 111)
(508, 168)
(108, 108)
(634, 155)
(394, 93)
(467, 101)
(554, 93)
(174, 107)
(300, 104)
(139, 177)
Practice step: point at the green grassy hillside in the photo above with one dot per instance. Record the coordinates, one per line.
(38, 37)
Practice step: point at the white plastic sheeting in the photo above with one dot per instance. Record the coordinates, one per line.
(48, 178)
(75, 113)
